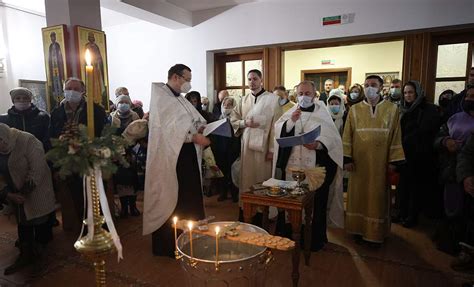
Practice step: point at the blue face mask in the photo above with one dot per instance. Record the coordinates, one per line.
(334, 109)
(122, 107)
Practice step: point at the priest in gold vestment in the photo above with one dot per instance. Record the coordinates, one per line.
(372, 146)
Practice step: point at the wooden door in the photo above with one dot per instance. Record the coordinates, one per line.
(339, 76)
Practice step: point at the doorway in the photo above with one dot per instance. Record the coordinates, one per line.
(340, 76)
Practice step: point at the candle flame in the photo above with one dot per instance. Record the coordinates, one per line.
(190, 225)
(88, 57)
(175, 220)
(217, 230)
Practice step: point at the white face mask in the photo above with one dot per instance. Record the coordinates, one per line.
(305, 101)
(395, 93)
(185, 87)
(226, 111)
(72, 96)
(371, 93)
(22, 106)
(354, 95)
(283, 101)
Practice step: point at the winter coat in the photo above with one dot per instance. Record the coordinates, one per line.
(27, 164)
(465, 165)
(33, 121)
(59, 118)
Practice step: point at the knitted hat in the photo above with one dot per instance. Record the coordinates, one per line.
(20, 91)
(121, 98)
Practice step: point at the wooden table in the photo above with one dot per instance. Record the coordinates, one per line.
(255, 197)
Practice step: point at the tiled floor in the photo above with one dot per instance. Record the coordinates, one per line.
(408, 258)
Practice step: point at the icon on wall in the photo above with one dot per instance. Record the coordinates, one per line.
(55, 49)
(38, 88)
(94, 40)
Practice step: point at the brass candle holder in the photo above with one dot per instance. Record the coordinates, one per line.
(97, 247)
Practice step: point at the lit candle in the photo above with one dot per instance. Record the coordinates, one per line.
(190, 226)
(175, 222)
(90, 94)
(217, 245)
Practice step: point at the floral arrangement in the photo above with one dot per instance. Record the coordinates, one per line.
(75, 153)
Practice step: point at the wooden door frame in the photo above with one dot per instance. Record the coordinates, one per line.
(324, 71)
(418, 52)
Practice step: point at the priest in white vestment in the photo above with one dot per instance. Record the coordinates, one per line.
(254, 118)
(326, 151)
(173, 170)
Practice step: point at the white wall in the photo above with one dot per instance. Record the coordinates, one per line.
(264, 23)
(24, 56)
(365, 58)
(140, 52)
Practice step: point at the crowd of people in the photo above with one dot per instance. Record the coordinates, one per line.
(366, 140)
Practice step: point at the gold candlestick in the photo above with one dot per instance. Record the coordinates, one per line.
(97, 247)
(217, 247)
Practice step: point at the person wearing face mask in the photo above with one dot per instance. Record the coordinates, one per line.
(253, 118)
(25, 182)
(395, 93)
(325, 151)
(449, 142)
(372, 147)
(25, 116)
(125, 179)
(337, 109)
(205, 104)
(73, 110)
(123, 115)
(285, 104)
(173, 184)
(226, 151)
(419, 124)
(356, 95)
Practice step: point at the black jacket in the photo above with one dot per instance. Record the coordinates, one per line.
(419, 129)
(59, 118)
(454, 106)
(33, 121)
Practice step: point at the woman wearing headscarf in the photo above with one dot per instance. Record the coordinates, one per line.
(337, 109)
(444, 100)
(126, 179)
(356, 95)
(194, 98)
(25, 181)
(419, 123)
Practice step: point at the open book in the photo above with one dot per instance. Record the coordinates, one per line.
(306, 138)
(220, 128)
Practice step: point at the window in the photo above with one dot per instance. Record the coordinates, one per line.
(452, 61)
(231, 72)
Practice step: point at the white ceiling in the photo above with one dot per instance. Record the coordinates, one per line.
(200, 5)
